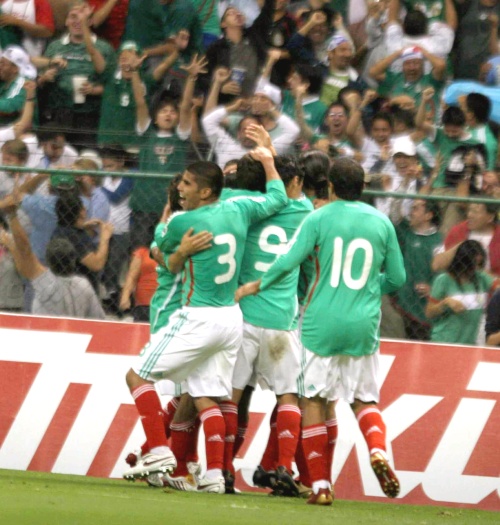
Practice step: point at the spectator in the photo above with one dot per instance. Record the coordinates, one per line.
(144, 24)
(492, 327)
(476, 36)
(241, 50)
(117, 190)
(163, 151)
(14, 68)
(73, 226)
(109, 18)
(57, 290)
(32, 22)
(141, 282)
(459, 296)
(73, 79)
(419, 239)
(208, 13)
(481, 225)
(11, 285)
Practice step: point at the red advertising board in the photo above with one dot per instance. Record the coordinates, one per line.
(65, 408)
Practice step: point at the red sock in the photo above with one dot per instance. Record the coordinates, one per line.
(332, 430)
(230, 414)
(169, 413)
(148, 404)
(180, 433)
(373, 428)
(215, 431)
(192, 443)
(240, 438)
(315, 444)
(288, 430)
(269, 460)
(301, 462)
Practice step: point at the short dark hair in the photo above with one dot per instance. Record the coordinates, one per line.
(415, 23)
(50, 131)
(348, 178)
(311, 74)
(113, 151)
(453, 116)
(287, 168)
(480, 106)
(404, 116)
(208, 175)
(173, 193)
(434, 208)
(61, 257)
(250, 175)
(315, 166)
(383, 115)
(68, 208)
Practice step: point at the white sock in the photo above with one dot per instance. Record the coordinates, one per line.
(321, 484)
(213, 473)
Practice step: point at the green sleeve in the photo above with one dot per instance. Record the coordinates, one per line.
(439, 288)
(169, 237)
(13, 104)
(261, 207)
(394, 275)
(300, 247)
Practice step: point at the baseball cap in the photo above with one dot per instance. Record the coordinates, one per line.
(18, 56)
(412, 53)
(62, 181)
(130, 45)
(272, 92)
(90, 154)
(404, 146)
(336, 41)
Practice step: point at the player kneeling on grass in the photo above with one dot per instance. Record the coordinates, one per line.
(357, 259)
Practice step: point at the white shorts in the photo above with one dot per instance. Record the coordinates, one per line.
(199, 346)
(166, 387)
(342, 377)
(274, 357)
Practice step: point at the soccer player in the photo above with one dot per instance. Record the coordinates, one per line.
(351, 243)
(271, 347)
(199, 344)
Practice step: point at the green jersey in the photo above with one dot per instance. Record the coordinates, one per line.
(167, 298)
(277, 307)
(161, 152)
(460, 328)
(12, 98)
(314, 109)
(395, 84)
(211, 276)
(351, 242)
(418, 250)
(484, 135)
(61, 92)
(434, 10)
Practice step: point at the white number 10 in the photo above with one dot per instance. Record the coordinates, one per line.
(344, 267)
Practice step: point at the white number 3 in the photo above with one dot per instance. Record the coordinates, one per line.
(227, 258)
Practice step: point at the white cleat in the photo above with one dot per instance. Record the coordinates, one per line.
(195, 470)
(184, 483)
(156, 480)
(151, 464)
(214, 486)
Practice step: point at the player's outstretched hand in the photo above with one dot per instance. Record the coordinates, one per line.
(261, 154)
(247, 289)
(191, 244)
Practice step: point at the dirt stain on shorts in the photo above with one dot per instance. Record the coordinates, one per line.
(278, 345)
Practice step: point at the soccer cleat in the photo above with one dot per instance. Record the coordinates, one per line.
(184, 483)
(194, 469)
(389, 482)
(150, 464)
(228, 482)
(156, 480)
(214, 486)
(285, 483)
(323, 497)
(265, 479)
(304, 491)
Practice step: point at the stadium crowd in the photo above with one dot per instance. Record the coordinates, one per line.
(408, 91)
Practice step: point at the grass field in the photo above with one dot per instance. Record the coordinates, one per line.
(33, 498)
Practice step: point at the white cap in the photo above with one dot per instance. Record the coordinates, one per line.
(404, 146)
(29, 72)
(412, 53)
(336, 41)
(90, 154)
(272, 92)
(18, 56)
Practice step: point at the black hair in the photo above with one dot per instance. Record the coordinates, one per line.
(246, 117)
(465, 262)
(68, 208)
(231, 180)
(315, 166)
(61, 257)
(434, 208)
(348, 179)
(480, 106)
(383, 115)
(404, 116)
(208, 175)
(453, 116)
(340, 104)
(113, 151)
(492, 208)
(173, 193)
(312, 75)
(50, 131)
(347, 89)
(287, 168)
(250, 175)
(415, 23)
